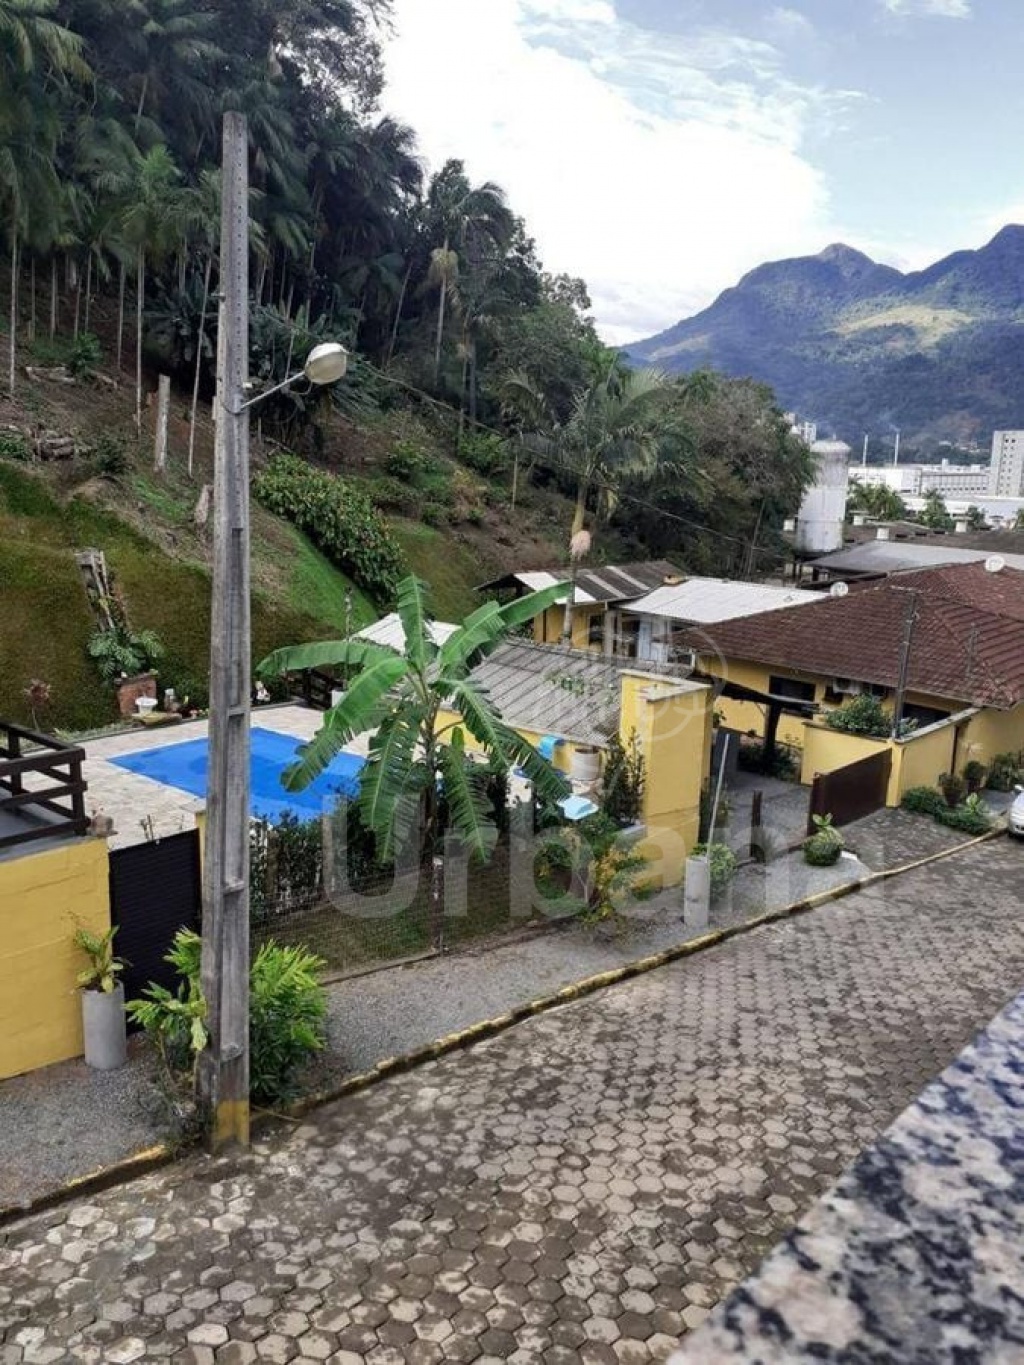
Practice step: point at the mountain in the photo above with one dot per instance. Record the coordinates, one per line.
(858, 346)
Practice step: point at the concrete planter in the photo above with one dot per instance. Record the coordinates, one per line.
(103, 1025)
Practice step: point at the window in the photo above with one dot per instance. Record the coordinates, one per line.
(791, 687)
(595, 629)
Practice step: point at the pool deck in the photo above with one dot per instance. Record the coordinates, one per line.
(129, 798)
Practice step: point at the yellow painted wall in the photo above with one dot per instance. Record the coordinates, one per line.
(917, 761)
(990, 733)
(826, 750)
(749, 717)
(673, 723)
(924, 757)
(547, 628)
(44, 898)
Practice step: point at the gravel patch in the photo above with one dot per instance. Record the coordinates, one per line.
(67, 1121)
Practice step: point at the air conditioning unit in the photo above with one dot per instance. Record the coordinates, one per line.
(847, 687)
(683, 658)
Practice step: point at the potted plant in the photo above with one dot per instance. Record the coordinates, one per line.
(103, 1017)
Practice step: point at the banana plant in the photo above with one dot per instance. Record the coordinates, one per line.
(413, 757)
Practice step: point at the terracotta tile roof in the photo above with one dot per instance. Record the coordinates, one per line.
(968, 643)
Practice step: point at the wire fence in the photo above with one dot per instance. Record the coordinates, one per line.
(319, 884)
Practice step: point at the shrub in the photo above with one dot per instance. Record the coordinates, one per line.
(1005, 772)
(84, 355)
(287, 1013)
(721, 865)
(750, 759)
(974, 775)
(825, 845)
(864, 715)
(625, 773)
(407, 461)
(972, 817)
(484, 453)
(393, 495)
(434, 514)
(923, 801)
(953, 788)
(14, 447)
(338, 519)
(110, 457)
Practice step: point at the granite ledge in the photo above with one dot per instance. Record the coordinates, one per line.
(917, 1255)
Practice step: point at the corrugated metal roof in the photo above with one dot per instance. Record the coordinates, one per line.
(608, 583)
(707, 600)
(887, 556)
(389, 631)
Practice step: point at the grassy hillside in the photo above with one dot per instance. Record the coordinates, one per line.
(454, 526)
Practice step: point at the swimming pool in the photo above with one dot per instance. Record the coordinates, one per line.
(184, 766)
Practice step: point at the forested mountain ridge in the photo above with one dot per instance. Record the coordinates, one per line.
(481, 417)
(862, 347)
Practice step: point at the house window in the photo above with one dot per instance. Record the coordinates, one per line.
(595, 630)
(791, 687)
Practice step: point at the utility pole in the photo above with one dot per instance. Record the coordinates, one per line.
(223, 1071)
(909, 626)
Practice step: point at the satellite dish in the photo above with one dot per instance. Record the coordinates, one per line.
(995, 564)
(839, 590)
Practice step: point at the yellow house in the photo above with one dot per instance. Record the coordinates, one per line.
(942, 647)
(569, 703)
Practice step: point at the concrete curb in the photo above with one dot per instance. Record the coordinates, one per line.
(142, 1163)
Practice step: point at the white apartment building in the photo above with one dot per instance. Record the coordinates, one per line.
(1006, 472)
(914, 480)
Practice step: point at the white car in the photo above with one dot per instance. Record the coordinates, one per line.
(1015, 820)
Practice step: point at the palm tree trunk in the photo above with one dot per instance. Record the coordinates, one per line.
(13, 358)
(54, 307)
(580, 514)
(398, 317)
(440, 320)
(78, 300)
(140, 289)
(120, 317)
(88, 291)
(32, 307)
(472, 384)
(440, 332)
(142, 103)
(462, 390)
(262, 279)
(199, 362)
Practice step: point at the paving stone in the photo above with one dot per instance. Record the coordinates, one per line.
(579, 1191)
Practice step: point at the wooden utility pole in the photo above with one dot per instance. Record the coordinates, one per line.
(223, 1072)
(163, 412)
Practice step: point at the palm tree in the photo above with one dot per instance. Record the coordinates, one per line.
(468, 219)
(400, 696)
(618, 428)
(155, 224)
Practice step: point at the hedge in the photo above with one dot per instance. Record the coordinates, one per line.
(339, 519)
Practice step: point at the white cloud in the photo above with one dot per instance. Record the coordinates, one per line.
(657, 167)
(943, 9)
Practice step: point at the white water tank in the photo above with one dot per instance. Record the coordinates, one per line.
(819, 527)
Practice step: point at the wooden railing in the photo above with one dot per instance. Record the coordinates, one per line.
(63, 797)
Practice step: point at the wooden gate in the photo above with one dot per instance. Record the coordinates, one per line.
(155, 890)
(852, 792)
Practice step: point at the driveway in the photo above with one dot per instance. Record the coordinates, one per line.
(582, 1188)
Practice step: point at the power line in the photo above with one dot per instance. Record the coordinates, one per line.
(565, 468)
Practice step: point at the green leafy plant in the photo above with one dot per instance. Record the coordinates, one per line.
(484, 453)
(14, 447)
(287, 1014)
(864, 715)
(825, 845)
(1005, 772)
(120, 651)
(104, 966)
(407, 461)
(175, 1022)
(110, 457)
(287, 1019)
(974, 775)
(625, 775)
(338, 519)
(750, 759)
(923, 801)
(953, 788)
(973, 817)
(84, 355)
(721, 865)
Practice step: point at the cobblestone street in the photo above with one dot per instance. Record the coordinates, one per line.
(582, 1188)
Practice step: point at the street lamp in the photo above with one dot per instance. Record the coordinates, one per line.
(223, 1065)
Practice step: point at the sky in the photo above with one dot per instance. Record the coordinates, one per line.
(661, 148)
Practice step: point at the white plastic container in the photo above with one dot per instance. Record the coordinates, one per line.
(143, 705)
(585, 766)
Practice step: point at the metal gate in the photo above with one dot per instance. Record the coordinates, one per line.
(852, 792)
(155, 890)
